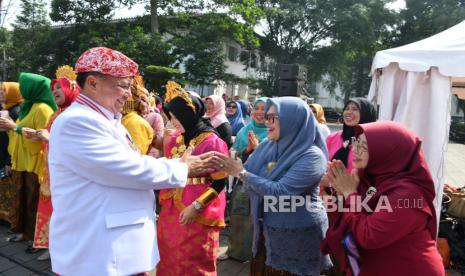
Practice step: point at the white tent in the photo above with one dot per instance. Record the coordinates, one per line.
(412, 84)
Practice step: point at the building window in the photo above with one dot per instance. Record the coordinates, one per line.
(253, 60)
(249, 58)
(232, 53)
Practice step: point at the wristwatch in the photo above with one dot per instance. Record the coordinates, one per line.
(242, 175)
(197, 205)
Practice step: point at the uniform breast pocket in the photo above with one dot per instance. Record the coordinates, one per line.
(127, 218)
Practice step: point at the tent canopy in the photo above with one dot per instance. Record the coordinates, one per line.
(445, 50)
(412, 85)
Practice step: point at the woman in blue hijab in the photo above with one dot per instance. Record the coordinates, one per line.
(287, 166)
(234, 115)
(245, 107)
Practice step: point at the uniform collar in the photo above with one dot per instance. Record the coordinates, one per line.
(114, 117)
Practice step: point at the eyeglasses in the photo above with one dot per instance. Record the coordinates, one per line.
(231, 106)
(270, 117)
(358, 146)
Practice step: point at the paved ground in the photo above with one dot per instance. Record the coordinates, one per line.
(455, 165)
(15, 262)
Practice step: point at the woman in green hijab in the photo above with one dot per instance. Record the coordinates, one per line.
(26, 152)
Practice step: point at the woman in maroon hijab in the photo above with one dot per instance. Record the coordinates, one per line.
(390, 173)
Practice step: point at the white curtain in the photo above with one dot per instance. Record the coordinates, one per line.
(421, 101)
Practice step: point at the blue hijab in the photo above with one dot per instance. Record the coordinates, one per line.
(245, 108)
(299, 134)
(242, 138)
(236, 121)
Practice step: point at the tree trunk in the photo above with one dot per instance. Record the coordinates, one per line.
(154, 16)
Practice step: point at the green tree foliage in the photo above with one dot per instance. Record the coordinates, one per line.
(337, 38)
(5, 47)
(74, 11)
(361, 29)
(423, 18)
(332, 38)
(193, 32)
(30, 39)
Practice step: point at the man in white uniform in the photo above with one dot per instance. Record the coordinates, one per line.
(103, 221)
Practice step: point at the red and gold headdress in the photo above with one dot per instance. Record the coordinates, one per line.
(65, 71)
(66, 77)
(174, 90)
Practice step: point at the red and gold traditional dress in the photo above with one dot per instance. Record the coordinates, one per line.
(44, 209)
(192, 249)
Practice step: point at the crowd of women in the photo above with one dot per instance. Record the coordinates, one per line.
(273, 147)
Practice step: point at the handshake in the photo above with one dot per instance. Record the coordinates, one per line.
(35, 135)
(211, 160)
(199, 163)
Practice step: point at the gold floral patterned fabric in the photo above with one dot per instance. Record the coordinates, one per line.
(8, 194)
(23, 211)
(185, 249)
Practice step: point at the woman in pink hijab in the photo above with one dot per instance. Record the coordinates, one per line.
(216, 111)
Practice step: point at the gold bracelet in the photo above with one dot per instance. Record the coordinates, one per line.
(198, 180)
(208, 196)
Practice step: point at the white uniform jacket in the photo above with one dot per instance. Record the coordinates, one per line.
(103, 220)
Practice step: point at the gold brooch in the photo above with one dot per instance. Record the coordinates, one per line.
(271, 165)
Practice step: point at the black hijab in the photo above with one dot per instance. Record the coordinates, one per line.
(367, 115)
(193, 121)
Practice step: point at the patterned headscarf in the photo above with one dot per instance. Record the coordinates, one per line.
(106, 61)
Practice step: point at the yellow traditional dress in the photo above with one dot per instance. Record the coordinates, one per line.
(140, 130)
(27, 163)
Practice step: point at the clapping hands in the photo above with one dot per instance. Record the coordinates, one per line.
(342, 181)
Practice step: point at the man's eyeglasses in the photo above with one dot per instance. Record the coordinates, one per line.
(270, 117)
(231, 106)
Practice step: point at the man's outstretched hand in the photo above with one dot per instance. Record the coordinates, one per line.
(197, 164)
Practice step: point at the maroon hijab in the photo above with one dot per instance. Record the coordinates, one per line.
(395, 160)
